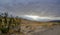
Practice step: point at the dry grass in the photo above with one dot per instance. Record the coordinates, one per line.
(32, 25)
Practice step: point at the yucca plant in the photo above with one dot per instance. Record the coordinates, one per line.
(4, 29)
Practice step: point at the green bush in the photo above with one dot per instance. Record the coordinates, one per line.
(4, 30)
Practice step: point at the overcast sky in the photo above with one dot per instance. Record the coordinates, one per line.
(31, 7)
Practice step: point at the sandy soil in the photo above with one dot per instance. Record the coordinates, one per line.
(53, 31)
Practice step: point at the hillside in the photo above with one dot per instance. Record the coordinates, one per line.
(19, 26)
(29, 27)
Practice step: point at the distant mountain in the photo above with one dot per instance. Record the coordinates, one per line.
(54, 21)
(40, 19)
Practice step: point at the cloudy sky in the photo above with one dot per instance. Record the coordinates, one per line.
(49, 8)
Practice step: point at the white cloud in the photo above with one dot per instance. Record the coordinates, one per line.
(35, 7)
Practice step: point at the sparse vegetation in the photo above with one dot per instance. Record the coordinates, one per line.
(13, 24)
(6, 22)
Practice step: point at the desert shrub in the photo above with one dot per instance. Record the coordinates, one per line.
(8, 21)
(4, 30)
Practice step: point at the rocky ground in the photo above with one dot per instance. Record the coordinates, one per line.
(39, 30)
(52, 31)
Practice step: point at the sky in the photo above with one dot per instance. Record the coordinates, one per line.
(45, 8)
